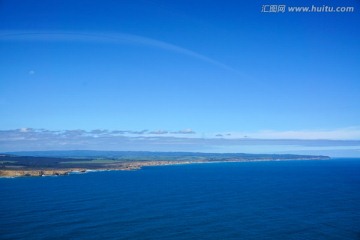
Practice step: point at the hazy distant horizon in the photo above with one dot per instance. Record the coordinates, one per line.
(167, 141)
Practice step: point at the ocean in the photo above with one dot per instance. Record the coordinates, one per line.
(249, 200)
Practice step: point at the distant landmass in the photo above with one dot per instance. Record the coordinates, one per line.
(44, 163)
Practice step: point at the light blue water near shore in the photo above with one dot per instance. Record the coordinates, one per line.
(262, 200)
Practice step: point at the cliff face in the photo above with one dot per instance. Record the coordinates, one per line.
(32, 173)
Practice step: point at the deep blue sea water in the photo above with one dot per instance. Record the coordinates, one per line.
(261, 200)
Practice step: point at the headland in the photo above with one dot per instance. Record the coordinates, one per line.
(59, 163)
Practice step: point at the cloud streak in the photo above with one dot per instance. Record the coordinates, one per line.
(114, 38)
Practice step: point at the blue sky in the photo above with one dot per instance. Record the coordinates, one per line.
(183, 70)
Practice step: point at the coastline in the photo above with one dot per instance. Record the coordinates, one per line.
(11, 173)
(124, 166)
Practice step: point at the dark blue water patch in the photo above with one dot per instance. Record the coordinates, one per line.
(261, 200)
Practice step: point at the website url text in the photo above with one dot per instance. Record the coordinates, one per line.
(308, 9)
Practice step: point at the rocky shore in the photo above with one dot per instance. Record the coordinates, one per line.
(61, 172)
(35, 173)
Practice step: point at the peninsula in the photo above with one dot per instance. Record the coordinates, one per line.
(56, 163)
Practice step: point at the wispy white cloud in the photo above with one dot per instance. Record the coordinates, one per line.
(159, 132)
(185, 131)
(23, 130)
(115, 38)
